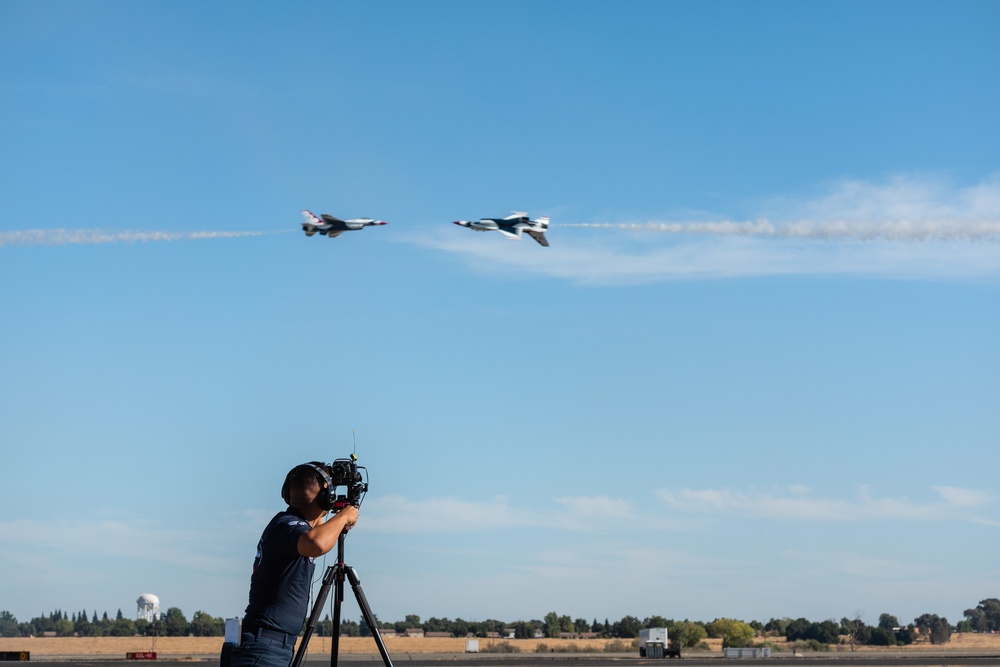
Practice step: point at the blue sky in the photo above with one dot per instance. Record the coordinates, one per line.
(755, 375)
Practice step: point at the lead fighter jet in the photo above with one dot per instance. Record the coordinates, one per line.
(511, 226)
(334, 227)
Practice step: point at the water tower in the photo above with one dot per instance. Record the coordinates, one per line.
(149, 607)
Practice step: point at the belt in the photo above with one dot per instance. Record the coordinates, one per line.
(270, 634)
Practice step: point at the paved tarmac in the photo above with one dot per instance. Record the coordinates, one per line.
(581, 660)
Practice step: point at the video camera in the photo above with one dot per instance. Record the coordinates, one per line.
(347, 473)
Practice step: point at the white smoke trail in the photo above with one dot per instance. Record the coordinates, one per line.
(53, 237)
(895, 230)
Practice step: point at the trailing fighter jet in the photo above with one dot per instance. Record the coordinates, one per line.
(334, 227)
(511, 226)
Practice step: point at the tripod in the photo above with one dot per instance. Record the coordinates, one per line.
(334, 576)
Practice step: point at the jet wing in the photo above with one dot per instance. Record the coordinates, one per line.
(538, 236)
(511, 233)
(334, 233)
(332, 220)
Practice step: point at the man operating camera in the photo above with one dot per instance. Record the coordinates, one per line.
(283, 568)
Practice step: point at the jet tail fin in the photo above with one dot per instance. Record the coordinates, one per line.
(537, 231)
(310, 218)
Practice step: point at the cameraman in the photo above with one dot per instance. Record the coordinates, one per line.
(283, 569)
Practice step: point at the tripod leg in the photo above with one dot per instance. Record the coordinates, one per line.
(366, 611)
(338, 597)
(324, 590)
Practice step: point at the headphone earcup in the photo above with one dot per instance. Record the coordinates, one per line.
(326, 497)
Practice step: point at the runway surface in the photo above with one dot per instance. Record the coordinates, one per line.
(513, 660)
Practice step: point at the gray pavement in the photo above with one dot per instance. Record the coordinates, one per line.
(929, 659)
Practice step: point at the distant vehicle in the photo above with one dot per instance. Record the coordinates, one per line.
(334, 227)
(653, 644)
(511, 226)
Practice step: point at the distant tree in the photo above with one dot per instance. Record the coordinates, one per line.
(551, 625)
(801, 629)
(491, 625)
(366, 631)
(796, 630)
(8, 625)
(777, 626)
(460, 628)
(857, 631)
(826, 632)
(581, 625)
(991, 607)
(175, 624)
(656, 622)
(906, 636)
(64, 627)
(882, 637)
(522, 630)
(412, 621)
(687, 634)
(938, 627)
(119, 616)
(734, 634)
(86, 628)
(888, 622)
(986, 616)
(349, 628)
(206, 625)
(627, 627)
(42, 624)
(437, 625)
(122, 627)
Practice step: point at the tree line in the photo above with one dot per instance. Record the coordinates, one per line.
(985, 617)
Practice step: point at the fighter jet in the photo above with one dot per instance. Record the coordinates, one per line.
(334, 227)
(511, 226)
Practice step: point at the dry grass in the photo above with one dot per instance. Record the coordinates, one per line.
(204, 646)
(191, 646)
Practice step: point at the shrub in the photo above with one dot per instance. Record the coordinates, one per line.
(618, 646)
(500, 647)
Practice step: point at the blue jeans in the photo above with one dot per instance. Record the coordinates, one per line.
(257, 651)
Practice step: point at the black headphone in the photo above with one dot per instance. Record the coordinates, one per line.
(326, 498)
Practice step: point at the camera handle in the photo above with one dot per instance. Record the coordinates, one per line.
(335, 576)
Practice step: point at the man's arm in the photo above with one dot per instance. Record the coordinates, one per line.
(320, 539)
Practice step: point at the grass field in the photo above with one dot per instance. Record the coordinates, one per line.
(204, 646)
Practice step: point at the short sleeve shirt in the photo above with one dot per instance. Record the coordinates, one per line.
(282, 578)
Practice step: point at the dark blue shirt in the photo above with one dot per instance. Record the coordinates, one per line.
(282, 578)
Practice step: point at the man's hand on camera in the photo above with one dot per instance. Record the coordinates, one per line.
(350, 515)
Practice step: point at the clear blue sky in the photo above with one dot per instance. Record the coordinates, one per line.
(675, 411)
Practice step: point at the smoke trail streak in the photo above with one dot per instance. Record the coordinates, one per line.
(52, 237)
(895, 230)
